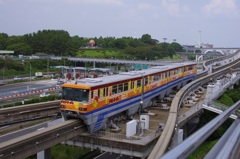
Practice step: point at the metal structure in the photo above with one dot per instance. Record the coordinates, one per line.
(184, 149)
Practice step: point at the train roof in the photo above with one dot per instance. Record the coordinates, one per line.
(93, 82)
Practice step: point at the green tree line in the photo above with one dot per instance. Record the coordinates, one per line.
(60, 43)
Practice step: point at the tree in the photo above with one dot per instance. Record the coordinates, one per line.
(176, 47)
(13, 40)
(56, 42)
(119, 43)
(3, 41)
(146, 38)
(20, 48)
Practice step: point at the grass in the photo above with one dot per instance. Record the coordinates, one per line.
(67, 152)
(60, 151)
(202, 150)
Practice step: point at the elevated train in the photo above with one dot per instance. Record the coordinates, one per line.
(98, 100)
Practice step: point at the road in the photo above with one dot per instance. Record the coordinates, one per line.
(25, 86)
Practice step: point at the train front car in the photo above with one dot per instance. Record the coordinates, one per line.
(74, 100)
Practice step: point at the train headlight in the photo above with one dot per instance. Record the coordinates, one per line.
(62, 106)
(82, 109)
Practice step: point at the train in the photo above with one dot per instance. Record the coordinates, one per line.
(96, 101)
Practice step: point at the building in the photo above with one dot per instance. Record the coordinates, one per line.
(5, 53)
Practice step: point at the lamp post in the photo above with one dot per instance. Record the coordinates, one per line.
(85, 70)
(30, 71)
(47, 65)
(3, 73)
(140, 106)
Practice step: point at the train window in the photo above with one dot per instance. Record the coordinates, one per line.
(167, 74)
(190, 67)
(185, 68)
(114, 89)
(138, 83)
(120, 88)
(163, 75)
(146, 81)
(80, 95)
(91, 94)
(175, 72)
(99, 93)
(84, 96)
(156, 78)
(106, 91)
(125, 86)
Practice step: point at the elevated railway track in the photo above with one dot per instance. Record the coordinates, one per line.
(165, 139)
(28, 112)
(37, 141)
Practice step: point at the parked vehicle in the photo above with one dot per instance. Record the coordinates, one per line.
(44, 94)
(60, 83)
(38, 74)
(17, 78)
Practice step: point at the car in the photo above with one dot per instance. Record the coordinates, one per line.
(60, 83)
(44, 94)
(17, 78)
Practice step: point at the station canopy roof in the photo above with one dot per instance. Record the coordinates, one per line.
(6, 52)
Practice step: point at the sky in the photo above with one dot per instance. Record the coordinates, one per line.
(215, 22)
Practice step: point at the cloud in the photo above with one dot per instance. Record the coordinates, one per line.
(221, 7)
(2, 1)
(145, 6)
(96, 2)
(173, 7)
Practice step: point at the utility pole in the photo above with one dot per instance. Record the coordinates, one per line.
(200, 38)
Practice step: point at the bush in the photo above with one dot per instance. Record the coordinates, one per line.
(18, 103)
(34, 100)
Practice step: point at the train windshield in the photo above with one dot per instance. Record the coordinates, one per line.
(75, 94)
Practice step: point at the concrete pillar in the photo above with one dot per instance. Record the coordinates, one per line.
(45, 154)
(180, 136)
(196, 59)
(94, 64)
(74, 73)
(210, 89)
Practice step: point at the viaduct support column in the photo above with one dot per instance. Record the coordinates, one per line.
(45, 154)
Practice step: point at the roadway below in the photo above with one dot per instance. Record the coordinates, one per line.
(12, 93)
(22, 86)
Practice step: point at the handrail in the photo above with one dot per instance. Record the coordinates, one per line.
(192, 142)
